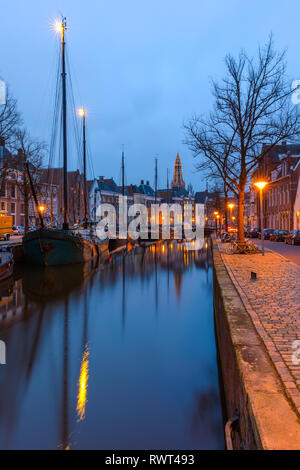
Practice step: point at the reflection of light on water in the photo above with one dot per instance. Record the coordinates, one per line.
(83, 385)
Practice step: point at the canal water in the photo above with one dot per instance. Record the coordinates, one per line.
(121, 356)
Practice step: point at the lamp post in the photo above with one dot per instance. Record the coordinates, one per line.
(216, 213)
(41, 210)
(219, 219)
(231, 206)
(261, 185)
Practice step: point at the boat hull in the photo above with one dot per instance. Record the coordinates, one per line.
(6, 266)
(56, 247)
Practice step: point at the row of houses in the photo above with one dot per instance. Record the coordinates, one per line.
(281, 202)
(106, 191)
(280, 167)
(16, 198)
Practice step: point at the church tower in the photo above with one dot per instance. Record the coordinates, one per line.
(177, 175)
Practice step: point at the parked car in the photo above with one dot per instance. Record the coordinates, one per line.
(279, 235)
(20, 229)
(267, 233)
(293, 238)
(247, 231)
(254, 232)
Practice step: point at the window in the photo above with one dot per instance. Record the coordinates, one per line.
(3, 206)
(12, 208)
(22, 208)
(2, 189)
(13, 191)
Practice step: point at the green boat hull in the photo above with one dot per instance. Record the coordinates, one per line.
(47, 247)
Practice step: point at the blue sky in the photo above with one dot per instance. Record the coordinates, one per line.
(140, 68)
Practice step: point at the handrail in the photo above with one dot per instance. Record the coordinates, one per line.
(230, 427)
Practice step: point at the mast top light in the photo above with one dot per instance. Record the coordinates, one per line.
(60, 25)
(81, 112)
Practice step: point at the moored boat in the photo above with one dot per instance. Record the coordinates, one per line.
(62, 246)
(6, 265)
(46, 247)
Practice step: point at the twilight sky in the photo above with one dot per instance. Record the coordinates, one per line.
(140, 68)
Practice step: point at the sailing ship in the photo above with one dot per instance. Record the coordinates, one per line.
(51, 247)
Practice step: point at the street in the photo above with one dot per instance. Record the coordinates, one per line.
(14, 240)
(290, 252)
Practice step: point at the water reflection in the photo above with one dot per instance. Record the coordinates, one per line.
(119, 356)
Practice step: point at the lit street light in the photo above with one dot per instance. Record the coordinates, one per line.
(216, 214)
(261, 185)
(231, 206)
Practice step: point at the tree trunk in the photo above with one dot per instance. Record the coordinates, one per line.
(241, 201)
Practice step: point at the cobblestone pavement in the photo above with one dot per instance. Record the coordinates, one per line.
(273, 302)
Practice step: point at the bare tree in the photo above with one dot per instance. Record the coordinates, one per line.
(32, 151)
(252, 113)
(9, 118)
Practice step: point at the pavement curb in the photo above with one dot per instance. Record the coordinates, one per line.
(261, 397)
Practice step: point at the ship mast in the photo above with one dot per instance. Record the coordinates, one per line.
(155, 180)
(82, 113)
(64, 122)
(123, 173)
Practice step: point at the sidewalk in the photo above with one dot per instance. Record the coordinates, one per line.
(273, 303)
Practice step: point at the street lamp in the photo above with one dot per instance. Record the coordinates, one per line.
(41, 210)
(216, 213)
(231, 206)
(261, 185)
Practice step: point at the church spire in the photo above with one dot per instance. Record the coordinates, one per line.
(177, 175)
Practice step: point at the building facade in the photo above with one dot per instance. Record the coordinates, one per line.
(281, 201)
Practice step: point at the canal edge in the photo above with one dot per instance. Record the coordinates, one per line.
(254, 393)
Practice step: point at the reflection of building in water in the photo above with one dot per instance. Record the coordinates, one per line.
(11, 300)
(178, 283)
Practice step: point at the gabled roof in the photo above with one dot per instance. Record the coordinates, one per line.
(133, 189)
(102, 186)
(112, 185)
(146, 189)
(279, 150)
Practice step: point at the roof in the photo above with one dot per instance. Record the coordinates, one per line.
(282, 149)
(146, 189)
(112, 185)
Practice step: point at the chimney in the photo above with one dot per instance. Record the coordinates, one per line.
(142, 181)
(284, 143)
(147, 183)
(101, 178)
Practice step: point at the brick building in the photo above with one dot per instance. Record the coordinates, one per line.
(281, 168)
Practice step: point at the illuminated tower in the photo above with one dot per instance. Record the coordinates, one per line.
(177, 175)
